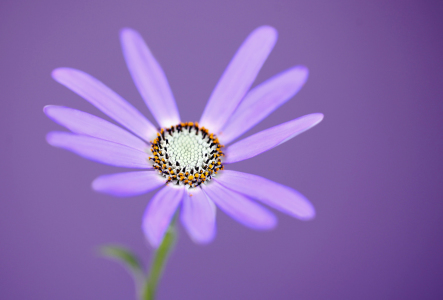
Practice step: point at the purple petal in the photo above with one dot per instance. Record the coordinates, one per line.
(105, 100)
(263, 100)
(100, 150)
(238, 77)
(87, 124)
(270, 138)
(128, 184)
(159, 212)
(149, 78)
(271, 193)
(239, 207)
(198, 216)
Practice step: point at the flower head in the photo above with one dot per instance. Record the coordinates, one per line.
(187, 160)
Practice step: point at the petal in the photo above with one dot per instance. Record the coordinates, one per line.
(149, 78)
(263, 100)
(270, 138)
(271, 193)
(128, 184)
(100, 150)
(87, 124)
(106, 100)
(239, 207)
(238, 77)
(159, 212)
(198, 216)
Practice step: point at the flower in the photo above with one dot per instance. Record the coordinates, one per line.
(187, 159)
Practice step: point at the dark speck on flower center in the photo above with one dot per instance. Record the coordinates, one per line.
(186, 154)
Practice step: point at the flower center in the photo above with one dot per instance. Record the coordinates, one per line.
(186, 154)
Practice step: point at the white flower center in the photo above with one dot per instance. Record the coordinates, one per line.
(188, 149)
(186, 154)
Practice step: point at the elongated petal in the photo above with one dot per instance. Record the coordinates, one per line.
(239, 207)
(198, 216)
(271, 193)
(263, 100)
(100, 150)
(238, 77)
(128, 184)
(270, 138)
(159, 212)
(87, 124)
(149, 78)
(106, 100)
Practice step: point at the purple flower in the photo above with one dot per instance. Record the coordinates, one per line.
(187, 159)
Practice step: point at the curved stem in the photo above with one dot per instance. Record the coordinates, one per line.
(158, 263)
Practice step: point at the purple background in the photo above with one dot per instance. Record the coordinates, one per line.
(372, 168)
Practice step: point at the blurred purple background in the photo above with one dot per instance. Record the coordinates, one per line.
(372, 168)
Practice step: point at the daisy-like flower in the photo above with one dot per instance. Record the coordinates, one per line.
(187, 160)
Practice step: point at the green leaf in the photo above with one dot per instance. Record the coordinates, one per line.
(126, 257)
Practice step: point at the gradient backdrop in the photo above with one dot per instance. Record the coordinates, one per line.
(372, 168)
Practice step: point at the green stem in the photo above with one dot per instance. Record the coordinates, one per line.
(158, 263)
